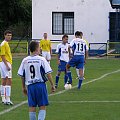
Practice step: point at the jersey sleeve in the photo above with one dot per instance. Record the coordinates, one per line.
(57, 49)
(21, 69)
(50, 43)
(46, 67)
(2, 49)
(71, 43)
(40, 43)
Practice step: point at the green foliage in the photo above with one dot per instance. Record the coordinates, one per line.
(13, 12)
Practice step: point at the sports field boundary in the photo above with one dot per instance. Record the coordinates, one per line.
(70, 102)
(60, 92)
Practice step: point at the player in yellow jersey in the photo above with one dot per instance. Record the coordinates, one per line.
(77, 70)
(6, 68)
(45, 46)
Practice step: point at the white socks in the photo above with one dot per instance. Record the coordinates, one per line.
(77, 71)
(5, 93)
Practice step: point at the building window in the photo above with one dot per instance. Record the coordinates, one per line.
(63, 23)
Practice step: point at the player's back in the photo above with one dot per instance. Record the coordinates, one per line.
(35, 68)
(79, 46)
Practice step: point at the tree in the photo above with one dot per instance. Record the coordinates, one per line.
(13, 12)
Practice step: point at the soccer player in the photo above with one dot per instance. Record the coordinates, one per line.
(79, 57)
(33, 71)
(6, 68)
(77, 70)
(45, 48)
(63, 55)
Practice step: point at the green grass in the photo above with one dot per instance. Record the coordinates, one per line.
(67, 105)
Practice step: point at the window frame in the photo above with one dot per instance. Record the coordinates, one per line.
(64, 16)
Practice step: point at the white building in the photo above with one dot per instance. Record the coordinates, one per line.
(57, 17)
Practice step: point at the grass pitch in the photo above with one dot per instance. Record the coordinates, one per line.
(97, 100)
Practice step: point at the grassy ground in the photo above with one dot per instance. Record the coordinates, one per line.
(98, 100)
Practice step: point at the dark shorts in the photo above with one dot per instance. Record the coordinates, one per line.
(77, 61)
(37, 95)
(62, 66)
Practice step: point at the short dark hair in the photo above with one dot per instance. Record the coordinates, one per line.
(7, 32)
(77, 33)
(33, 46)
(81, 33)
(64, 36)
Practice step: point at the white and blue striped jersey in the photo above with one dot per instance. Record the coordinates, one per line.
(63, 52)
(79, 46)
(33, 69)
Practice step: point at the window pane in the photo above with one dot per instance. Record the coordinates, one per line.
(69, 26)
(57, 23)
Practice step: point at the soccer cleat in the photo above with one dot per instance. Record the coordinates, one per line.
(4, 102)
(9, 103)
(56, 86)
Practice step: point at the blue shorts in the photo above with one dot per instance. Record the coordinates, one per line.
(77, 61)
(62, 66)
(37, 95)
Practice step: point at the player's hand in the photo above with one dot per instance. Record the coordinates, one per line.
(52, 88)
(24, 91)
(8, 68)
(58, 62)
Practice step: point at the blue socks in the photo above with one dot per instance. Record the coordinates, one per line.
(69, 76)
(41, 115)
(32, 115)
(80, 82)
(56, 80)
(65, 79)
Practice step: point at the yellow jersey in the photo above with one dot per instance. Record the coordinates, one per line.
(45, 45)
(86, 42)
(5, 50)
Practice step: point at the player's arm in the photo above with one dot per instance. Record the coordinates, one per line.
(21, 73)
(23, 86)
(5, 62)
(69, 52)
(49, 76)
(40, 47)
(57, 54)
(86, 55)
(58, 60)
(50, 48)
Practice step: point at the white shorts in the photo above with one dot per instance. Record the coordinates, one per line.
(4, 72)
(46, 55)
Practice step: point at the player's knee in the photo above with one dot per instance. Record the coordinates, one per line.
(58, 74)
(67, 66)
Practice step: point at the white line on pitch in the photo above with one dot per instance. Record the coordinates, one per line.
(84, 102)
(60, 92)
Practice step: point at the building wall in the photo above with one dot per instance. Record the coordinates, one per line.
(90, 16)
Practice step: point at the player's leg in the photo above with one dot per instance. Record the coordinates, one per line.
(80, 78)
(32, 113)
(42, 113)
(68, 72)
(48, 57)
(3, 84)
(77, 71)
(42, 100)
(8, 85)
(65, 78)
(8, 91)
(32, 101)
(3, 81)
(57, 79)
